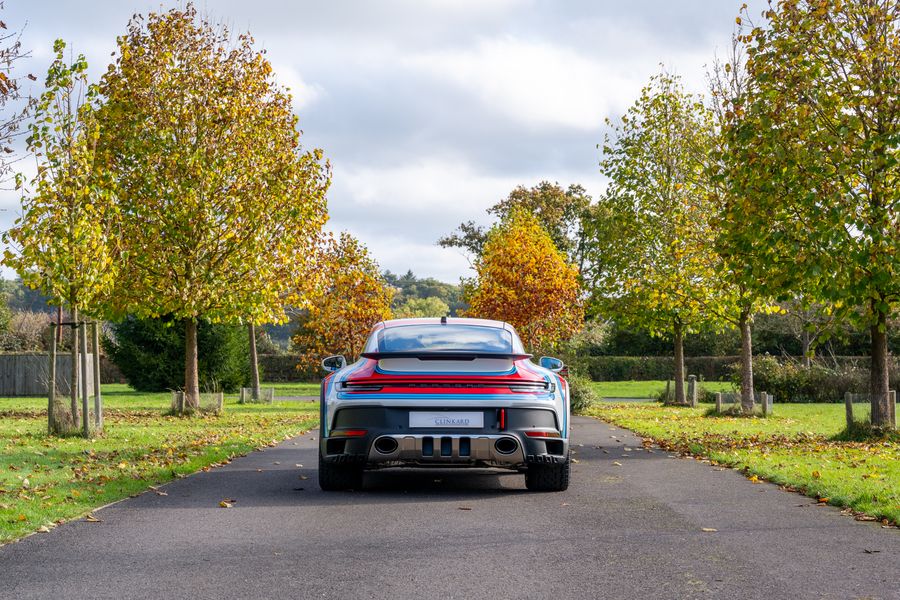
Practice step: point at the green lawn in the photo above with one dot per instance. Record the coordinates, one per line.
(44, 481)
(648, 389)
(796, 448)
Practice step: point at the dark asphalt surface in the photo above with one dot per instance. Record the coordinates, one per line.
(629, 531)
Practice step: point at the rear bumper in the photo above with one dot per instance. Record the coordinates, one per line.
(388, 441)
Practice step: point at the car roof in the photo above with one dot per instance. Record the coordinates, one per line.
(449, 321)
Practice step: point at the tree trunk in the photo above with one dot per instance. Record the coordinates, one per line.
(879, 385)
(746, 363)
(73, 373)
(679, 363)
(805, 344)
(254, 361)
(191, 375)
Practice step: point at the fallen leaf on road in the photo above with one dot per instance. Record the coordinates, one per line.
(92, 519)
(823, 500)
(708, 530)
(158, 491)
(304, 477)
(574, 460)
(299, 466)
(564, 504)
(226, 503)
(276, 463)
(43, 529)
(754, 479)
(617, 463)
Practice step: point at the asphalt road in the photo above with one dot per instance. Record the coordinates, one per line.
(627, 530)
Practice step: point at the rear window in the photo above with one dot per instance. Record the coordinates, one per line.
(443, 338)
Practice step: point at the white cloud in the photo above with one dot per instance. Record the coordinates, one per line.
(537, 83)
(302, 92)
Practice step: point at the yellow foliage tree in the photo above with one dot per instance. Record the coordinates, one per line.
(525, 280)
(353, 298)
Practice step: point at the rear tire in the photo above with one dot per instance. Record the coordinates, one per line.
(335, 477)
(548, 478)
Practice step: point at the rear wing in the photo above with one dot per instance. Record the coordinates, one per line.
(446, 355)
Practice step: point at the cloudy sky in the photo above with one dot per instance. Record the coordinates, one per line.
(432, 110)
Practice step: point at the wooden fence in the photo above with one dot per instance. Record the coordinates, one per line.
(27, 374)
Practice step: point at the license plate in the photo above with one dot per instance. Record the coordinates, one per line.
(446, 419)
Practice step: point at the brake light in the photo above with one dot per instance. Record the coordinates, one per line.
(542, 434)
(349, 433)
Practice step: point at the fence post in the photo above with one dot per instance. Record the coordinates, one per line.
(848, 405)
(692, 390)
(718, 402)
(51, 383)
(98, 400)
(764, 402)
(892, 408)
(85, 410)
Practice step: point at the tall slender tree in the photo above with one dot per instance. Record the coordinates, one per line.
(65, 243)
(650, 260)
(215, 191)
(817, 135)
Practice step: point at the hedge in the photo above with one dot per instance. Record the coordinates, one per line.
(652, 368)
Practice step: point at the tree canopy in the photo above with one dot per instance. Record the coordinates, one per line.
(217, 196)
(354, 298)
(817, 137)
(523, 279)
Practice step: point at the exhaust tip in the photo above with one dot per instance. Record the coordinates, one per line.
(506, 445)
(386, 445)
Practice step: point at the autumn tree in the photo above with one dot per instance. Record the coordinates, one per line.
(651, 266)
(523, 279)
(65, 242)
(354, 298)
(216, 194)
(817, 135)
(560, 211)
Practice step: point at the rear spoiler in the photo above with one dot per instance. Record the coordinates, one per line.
(437, 355)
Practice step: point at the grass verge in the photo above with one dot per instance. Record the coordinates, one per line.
(648, 389)
(45, 481)
(796, 448)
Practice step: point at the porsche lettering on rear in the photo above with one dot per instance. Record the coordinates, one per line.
(451, 393)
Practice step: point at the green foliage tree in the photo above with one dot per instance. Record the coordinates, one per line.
(65, 242)
(560, 211)
(650, 259)
(411, 287)
(523, 279)
(817, 137)
(431, 306)
(746, 287)
(150, 354)
(217, 196)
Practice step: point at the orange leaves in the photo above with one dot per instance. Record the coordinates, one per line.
(525, 280)
(354, 296)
